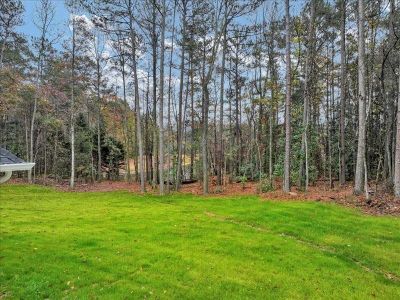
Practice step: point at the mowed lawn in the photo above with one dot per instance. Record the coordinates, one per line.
(119, 245)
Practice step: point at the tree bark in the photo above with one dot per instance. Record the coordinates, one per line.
(126, 116)
(342, 159)
(204, 138)
(307, 95)
(154, 121)
(192, 137)
(179, 122)
(388, 161)
(72, 179)
(169, 125)
(272, 106)
(221, 117)
(99, 173)
(358, 182)
(238, 157)
(286, 182)
(161, 108)
(397, 153)
(137, 104)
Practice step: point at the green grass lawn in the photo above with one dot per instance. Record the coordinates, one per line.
(119, 245)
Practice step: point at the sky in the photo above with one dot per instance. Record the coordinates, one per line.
(62, 15)
(60, 18)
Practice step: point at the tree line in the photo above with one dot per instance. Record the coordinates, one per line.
(216, 90)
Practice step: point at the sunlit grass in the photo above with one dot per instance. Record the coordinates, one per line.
(120, 245)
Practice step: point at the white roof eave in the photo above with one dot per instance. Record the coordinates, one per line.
(16, 167)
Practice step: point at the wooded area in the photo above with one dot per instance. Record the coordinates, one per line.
(170, 91)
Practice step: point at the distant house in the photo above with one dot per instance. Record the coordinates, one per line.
(10, 163)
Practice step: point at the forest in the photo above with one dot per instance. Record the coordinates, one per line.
(164, 92)
(199, 149)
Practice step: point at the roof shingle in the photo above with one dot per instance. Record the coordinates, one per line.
(6, 158)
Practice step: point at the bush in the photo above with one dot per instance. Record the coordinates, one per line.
(265, 185)
(243, 180)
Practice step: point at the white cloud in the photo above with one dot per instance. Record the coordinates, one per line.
(81, 19)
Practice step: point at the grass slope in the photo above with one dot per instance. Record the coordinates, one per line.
(120, 245)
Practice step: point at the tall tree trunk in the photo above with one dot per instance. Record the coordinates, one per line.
(180, 104)
(238, 157)
(342, 159)
(388, 169)
(204, 135)
(230, 118)
(154, 122)
(137, 103)
(307, 95)
(169, 125)
(99, 173)
(358, 182)
(46, 15)
(45, 155)
(272, 107)
(35, 104)
(32, 131)
(161, 109)
(126, 116)
(286, 182)
(146, 135)
(26, 138)
(221, 117)
(329, 107)
(204, 138)
(397, 153)
(192, 138)
(205, 80)
(72, 179)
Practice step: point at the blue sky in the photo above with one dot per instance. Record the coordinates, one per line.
(60, 26)
(60, 18)
(61, 15)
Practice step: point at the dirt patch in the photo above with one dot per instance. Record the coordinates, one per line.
(381, 202)
(103, 186)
